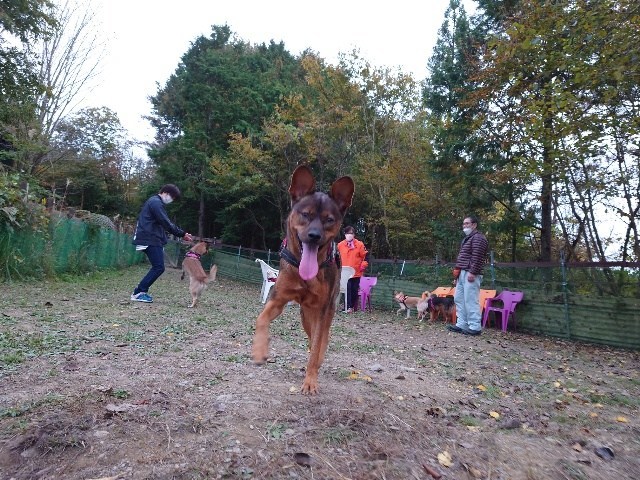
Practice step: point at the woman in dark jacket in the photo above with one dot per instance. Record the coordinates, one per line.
(151, 237)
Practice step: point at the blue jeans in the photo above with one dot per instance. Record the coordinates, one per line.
(467, 299)
(156, 258)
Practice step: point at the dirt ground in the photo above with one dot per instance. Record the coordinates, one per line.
(93, 386)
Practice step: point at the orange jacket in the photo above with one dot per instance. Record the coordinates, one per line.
(355, 257)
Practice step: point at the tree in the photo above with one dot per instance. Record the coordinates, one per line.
(92, 162)
(557, 90)
(222, 85)
(22, 22)
(69, 61)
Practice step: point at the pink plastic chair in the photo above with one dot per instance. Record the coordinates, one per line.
(504, 304)
(366, 284)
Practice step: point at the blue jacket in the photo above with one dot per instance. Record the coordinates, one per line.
(153, 223)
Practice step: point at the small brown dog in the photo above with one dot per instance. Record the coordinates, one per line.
(443, 307)
(309, 268)
(423, 306)
(405, 302)
(198, 279)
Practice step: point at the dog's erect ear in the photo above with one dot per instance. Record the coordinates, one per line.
(342, 193)
(302, 183)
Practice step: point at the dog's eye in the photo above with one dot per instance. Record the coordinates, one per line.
(305, 214)
(330, 220)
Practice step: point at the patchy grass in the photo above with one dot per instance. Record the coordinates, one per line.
(95, 386)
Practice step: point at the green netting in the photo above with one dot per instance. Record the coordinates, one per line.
(593, 304)
(66, 246)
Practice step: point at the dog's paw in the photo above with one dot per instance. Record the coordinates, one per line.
(309, 387)
(259, 356)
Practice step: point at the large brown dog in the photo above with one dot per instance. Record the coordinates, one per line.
(198, 279)
(309, 270)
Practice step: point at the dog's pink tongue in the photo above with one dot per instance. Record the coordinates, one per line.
(309, 262)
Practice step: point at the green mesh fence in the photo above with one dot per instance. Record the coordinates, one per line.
(590, 302)
(66, 246)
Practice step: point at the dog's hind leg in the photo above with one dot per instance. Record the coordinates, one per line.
(196, 290)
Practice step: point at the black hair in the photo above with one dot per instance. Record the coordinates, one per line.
(473, 219)
(172, 190)
(349, 229)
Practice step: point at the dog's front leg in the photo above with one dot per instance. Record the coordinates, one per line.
(408, 312)
(319, 342)
(260, 348)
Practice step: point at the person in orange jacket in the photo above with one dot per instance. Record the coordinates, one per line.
(354, 254)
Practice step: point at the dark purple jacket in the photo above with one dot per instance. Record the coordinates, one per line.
(473, 252)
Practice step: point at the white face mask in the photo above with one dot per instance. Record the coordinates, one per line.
(349, 237)
(467, 230)
(166, 198)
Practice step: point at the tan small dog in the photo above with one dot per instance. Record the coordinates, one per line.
(198, 279)
(405, 302)
(423, 306)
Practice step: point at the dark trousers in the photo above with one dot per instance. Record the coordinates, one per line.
(353, 284)
(156, 258)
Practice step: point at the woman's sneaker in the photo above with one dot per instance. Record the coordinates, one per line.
(141, 297)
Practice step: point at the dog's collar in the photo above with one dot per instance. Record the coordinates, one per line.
(402, 300)
(332, 255)
(191, 254)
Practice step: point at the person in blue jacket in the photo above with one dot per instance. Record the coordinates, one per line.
(151, 237)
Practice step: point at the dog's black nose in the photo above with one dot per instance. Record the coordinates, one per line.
(314, 235)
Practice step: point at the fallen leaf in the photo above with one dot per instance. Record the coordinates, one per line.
(293, 389)
(431, 471)
(475, 473)
(593, 414)
(445, 459)
(605, 453)
(557, 384)
(577, 447)
(622, 419)
(302, 458)
(495, 415)
(482, 388)
(473, 428)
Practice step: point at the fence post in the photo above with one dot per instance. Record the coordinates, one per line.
(492, 268)
(565, 294)
(269, 257)
(238, 259)
(402, 268)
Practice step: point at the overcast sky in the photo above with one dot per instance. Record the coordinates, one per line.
(145, 39)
